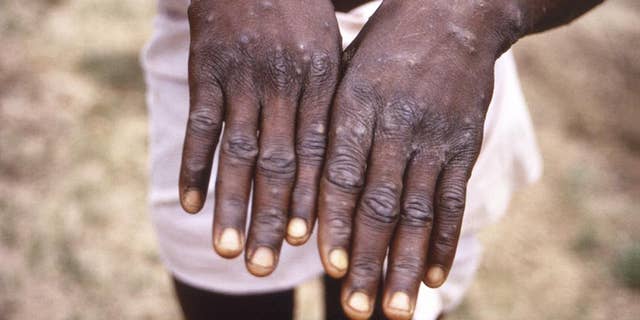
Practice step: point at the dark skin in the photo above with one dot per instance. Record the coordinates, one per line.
(270, 66)
(406, 129)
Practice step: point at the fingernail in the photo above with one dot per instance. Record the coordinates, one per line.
(192, 200)
(435, 276)
(229, 241)
(359, 301)
(339, 259)
(400, 301)
(262, 261)
(297, 228)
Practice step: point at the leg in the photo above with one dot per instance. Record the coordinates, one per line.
(198, 304)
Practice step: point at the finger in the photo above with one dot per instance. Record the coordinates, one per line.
(238, 152)
(275, 168)
(375, 220)
(408, 252)
(203, 129)
(450, 203)
(350, 138)
(310, 146)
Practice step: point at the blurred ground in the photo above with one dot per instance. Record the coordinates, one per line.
(75, 241)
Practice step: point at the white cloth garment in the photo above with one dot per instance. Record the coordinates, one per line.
(508, 160)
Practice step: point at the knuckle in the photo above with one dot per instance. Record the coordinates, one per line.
(322, 67)
(303, 194)
(345, 171)
(205, 121)
(407, 265)
(311, 145)
(404, 112)
(281, 69)
(417, 209)
(357, 92)
(365, 267)
(339, 226)
(208, 58)
(269, 222)
(452, 200)
(195, 166)
(232, 202)
(379, 203)
(277, 163)
(445, 242)
(241, 147)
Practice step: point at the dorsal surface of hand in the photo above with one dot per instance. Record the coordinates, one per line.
(407, 125)
(267, 70)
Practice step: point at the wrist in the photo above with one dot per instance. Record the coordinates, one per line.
(495, 25)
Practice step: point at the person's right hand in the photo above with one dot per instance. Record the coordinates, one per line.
(267, 70)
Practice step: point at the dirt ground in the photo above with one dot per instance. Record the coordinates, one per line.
(75, 238)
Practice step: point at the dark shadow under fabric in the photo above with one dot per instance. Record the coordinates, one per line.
(199, 304)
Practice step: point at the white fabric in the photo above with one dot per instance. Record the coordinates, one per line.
(508, 160)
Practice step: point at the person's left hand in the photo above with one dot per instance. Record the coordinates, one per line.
(406, 129)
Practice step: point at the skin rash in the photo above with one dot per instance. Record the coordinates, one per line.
(407, 101)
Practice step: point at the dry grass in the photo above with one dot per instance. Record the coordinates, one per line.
(75, 241)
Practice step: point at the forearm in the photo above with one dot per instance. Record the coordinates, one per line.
(494, 25)
(540, 15)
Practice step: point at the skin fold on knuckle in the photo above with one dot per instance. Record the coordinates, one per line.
(344, 170)
(209, 61)
(379, 205)
(241, 148)
(231, 203)
(204, 122)
(339, 227)
(417, 210)
(444, 246)
(410, 267)
(280, 70)
(311, 145)
(322, 70)
(365, 270)
(277, 164)
(403, 112)
(268, 225)
(302, 196)
(451, 202)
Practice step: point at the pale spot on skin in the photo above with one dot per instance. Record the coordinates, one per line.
(266, 4)
(244, 39)
(329, 198)
(358, 130)
(464, 36)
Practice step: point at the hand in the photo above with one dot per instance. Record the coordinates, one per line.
(259, 66)
(406, 129)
